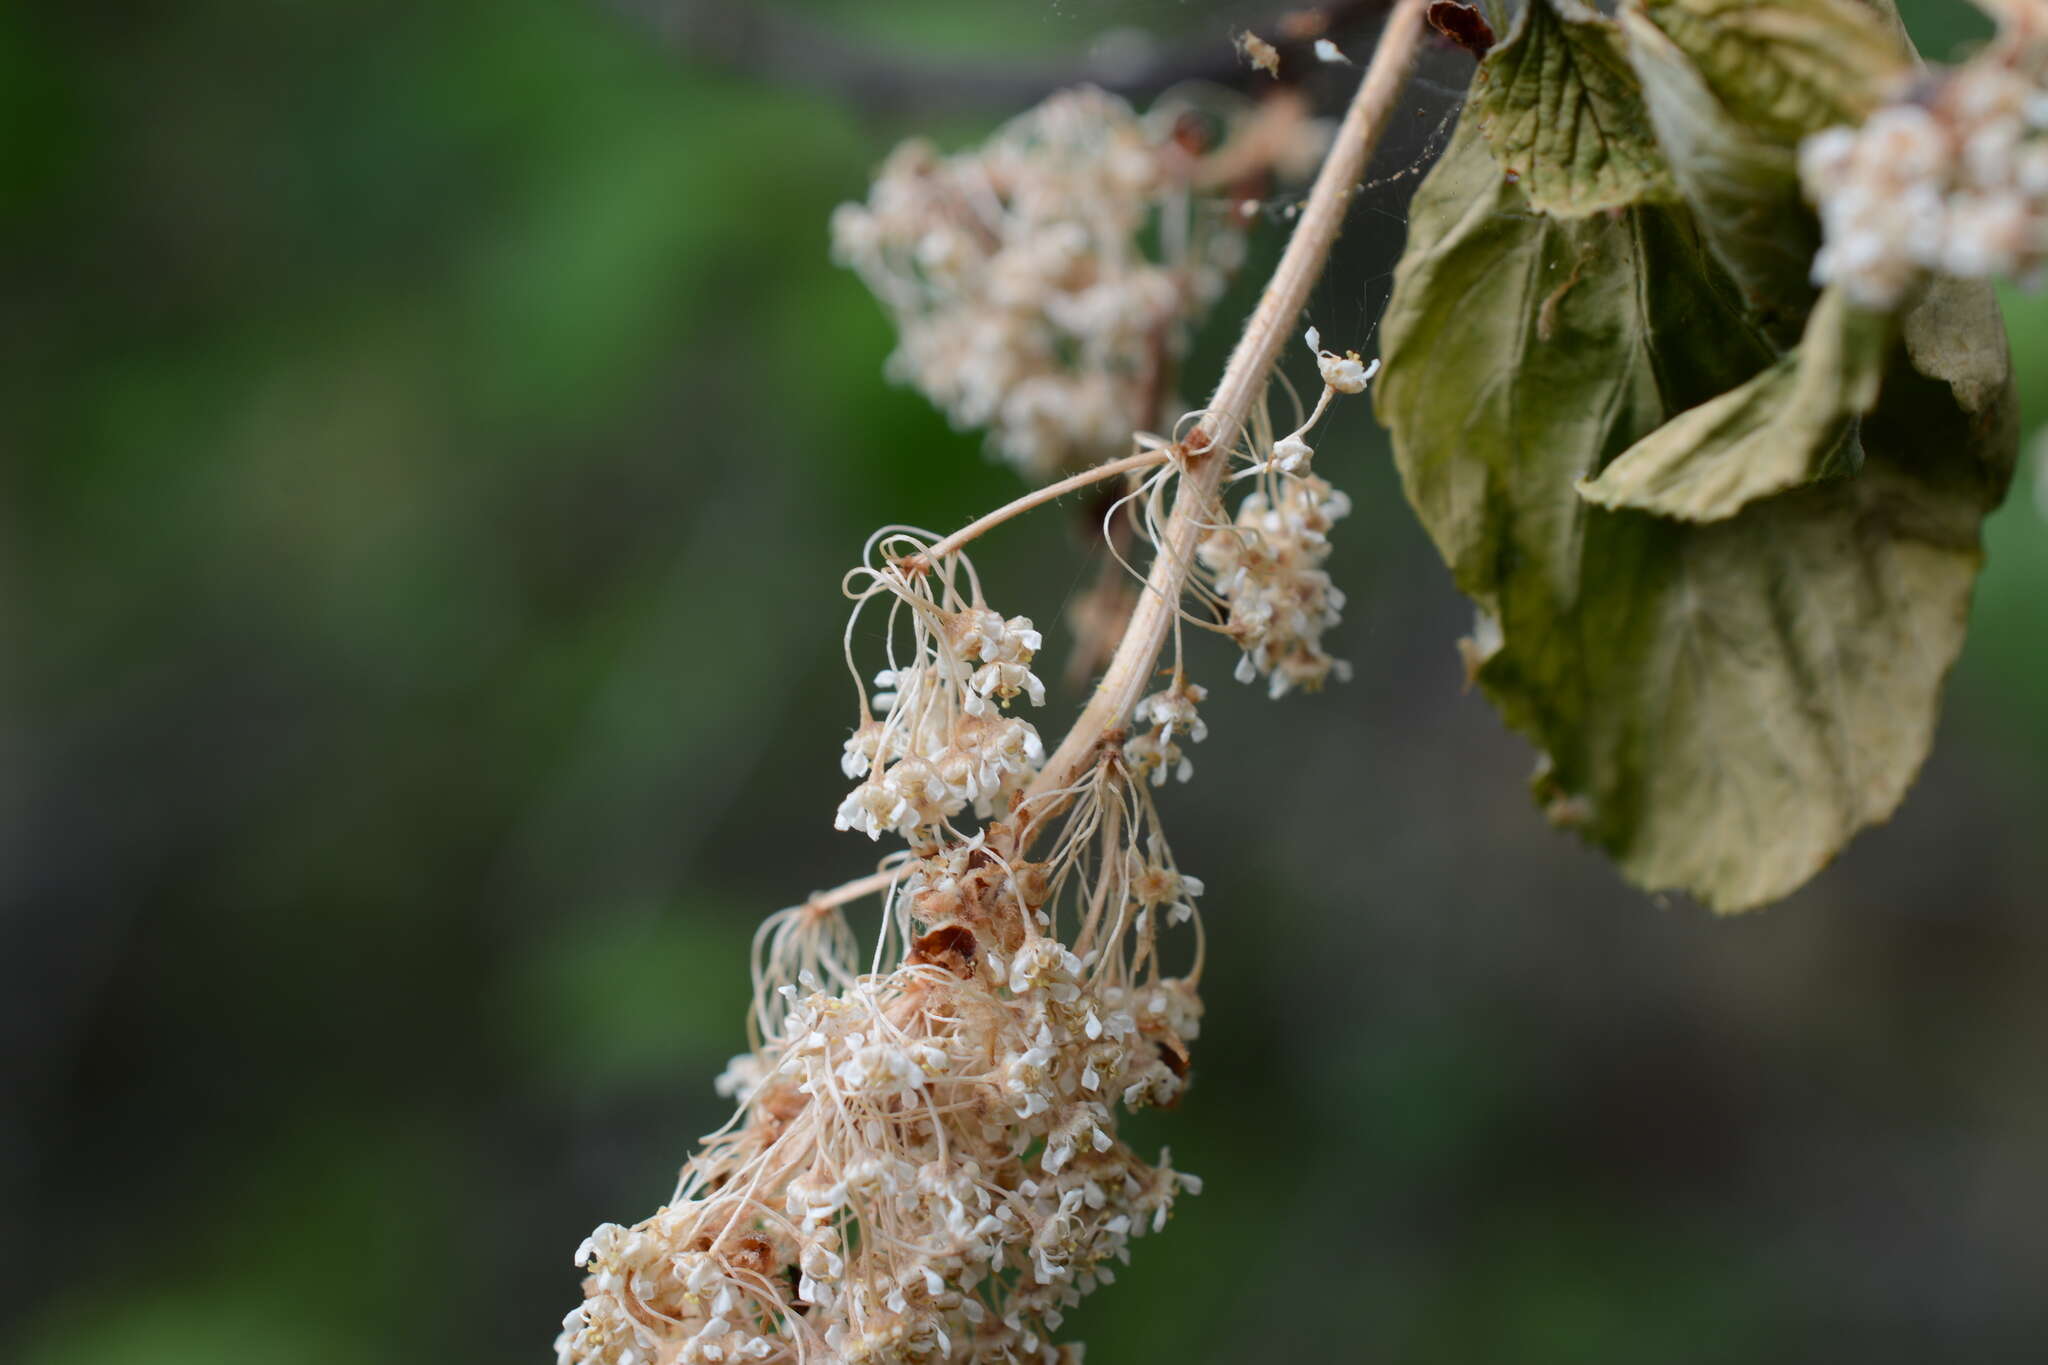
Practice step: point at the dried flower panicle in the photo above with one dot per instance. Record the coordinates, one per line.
(926, 1164)
(1269, 567)
(942, 742)
(1040, 283)
(1266, 564)
(1952, 178)
(925, 1168)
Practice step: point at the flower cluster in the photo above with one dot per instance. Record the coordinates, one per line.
(942, 742)
(1269, 568)
(1155, 750)
(925, 1166)
(1266, 564)
(1024, 295)
(926, 1163)
(1953, 179)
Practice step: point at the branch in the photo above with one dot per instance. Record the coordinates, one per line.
(1207, 446)
(858, 889)
(1144, 459)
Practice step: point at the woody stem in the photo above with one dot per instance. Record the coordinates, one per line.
(1207, 447)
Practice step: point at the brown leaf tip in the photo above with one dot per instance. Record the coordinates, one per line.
(1464, 25)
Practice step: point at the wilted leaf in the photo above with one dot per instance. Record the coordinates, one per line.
(1536, 326)
(1562, 109)
(1722, 706)
(1954, 333)
(1743, 187)
(1792, 424)
(1787, 67)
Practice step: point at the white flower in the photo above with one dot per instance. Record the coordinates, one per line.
(1955, 181)
(1168, 714)
(1155, 885)
(1345, 373)
(1004, 651)
(1173, 708)
(868, 808)
(1826, 157)
(861, 750)
(1291, 455)
(1033, 280)
(741, 1078)
(1268, 567)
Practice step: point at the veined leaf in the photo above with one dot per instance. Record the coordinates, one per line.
(1786, 68)
(1497, 14)
(1720, 705)
(1743, 187)
(1792, 424)
(1564, 112)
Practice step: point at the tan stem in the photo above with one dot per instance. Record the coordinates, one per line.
(1271, 326)
(857, 889)
(1144, 459)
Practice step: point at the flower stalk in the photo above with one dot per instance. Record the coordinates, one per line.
(926, 1166)
(1228, 415)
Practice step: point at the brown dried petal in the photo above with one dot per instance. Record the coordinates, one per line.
(950, 946)
(753, 1253)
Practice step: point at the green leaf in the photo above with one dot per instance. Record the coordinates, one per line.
(1792, 424)
(1498, 15)
(1786, 68)
(1564, 113)
(1536, 325)
(1744, 188)
(1721, 705)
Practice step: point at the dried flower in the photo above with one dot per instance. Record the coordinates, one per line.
(926, 1164)
(1266, 565)
(927, 1169)
(1954, 180)
(1168, 714)
(1261, 54)
(941, 743)
(1041, 283)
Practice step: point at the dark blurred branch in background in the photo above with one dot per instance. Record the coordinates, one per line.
(769, 44)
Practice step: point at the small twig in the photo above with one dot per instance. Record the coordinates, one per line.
(860, 888)
(1144, 459)
(1228, 413)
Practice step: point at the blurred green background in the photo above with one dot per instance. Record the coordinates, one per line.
(434, 437)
